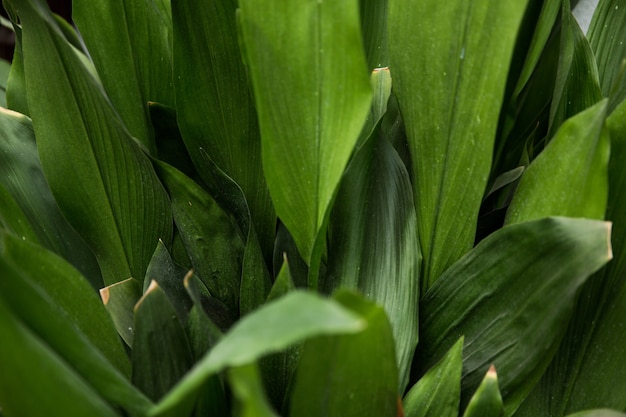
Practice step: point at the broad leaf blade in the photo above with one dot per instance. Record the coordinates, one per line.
(438, 392)
(362, 365)
(312, 95)
(449, 64)
(510, 302)
(103, 183)
(130, 44)
(373, 245)
(273, 327)
(570, 177)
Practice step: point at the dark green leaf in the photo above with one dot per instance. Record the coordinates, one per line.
(510, 301)
(119, 300)
(130, 44)
(374, 25)
(373, 245)
(161, 352)
(304, 107)
(598, 413)
(215, 107)
(102, 181)
(250, 401)
(337, 375)
(438, 392)
(449, 64)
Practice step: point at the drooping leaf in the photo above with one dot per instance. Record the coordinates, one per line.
(337, 375)
(487, 400)
(438, 392)
(450, 104)
(214, 104)
(312, 95)
(510, 302)
(373, 245)
(273, 327)
(22, 175)
(161, 352)
(117, 34)
(606, 36)
(45, 382)
(114, 199)
(569, 178)
(59, 307)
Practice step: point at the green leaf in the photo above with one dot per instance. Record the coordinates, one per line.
(5, 70)
(102, 181)
(273, 327)
(245, 382)
(373, 244)
(577, 84)
(449, 64)
(61, 310)
(304, 107)
(374, 26)
(13, 220)
(130, 44)
(510, 302)
(119, 300)
(45, 382)
(210, 238)
(348, 375)
(215, 107)
(487, 401)
(16, 84)
(606, 36)
(22, 175)
(161, 352)
(438, 392)
(598, 413)
(569, 178)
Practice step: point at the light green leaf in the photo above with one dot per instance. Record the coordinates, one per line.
(245, 382)
(487, 400)
(45, 382)
(215, 106)
(373, 244)
(438, 392)
(102, 181)
(449, 63)
(348, 375)
(59, 307)
(510, 302)
(23, 177)
(570, 177)
(161, 352)
(130, 44)
(312, 94)
(607, 34)
(598, 413)
(273, 327)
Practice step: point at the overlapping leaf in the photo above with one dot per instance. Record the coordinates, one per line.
(450, 103)
(114, 200)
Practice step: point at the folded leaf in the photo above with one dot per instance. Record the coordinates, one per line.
(449, 64)
(510, 301)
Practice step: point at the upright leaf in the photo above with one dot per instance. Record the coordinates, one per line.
(449, 64)
(312, 94)
(487, 400)
(373, 245)
(130, 44)
(215, 107)
(510, 302)
(374, 23)
(570, 177)
(438, 392)
(102, 181)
